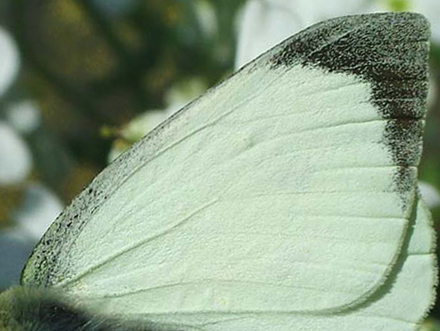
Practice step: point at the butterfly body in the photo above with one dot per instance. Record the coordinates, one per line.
(44, 310)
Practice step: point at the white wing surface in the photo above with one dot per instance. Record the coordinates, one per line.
(285, 191)
(397, 306)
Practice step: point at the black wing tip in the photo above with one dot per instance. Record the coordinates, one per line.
(368, 30)
(387, 16)
(387, 20)
(389, 52)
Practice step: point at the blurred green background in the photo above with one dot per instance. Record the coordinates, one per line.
(88, 68)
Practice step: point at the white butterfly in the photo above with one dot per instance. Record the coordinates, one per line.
(283, 199)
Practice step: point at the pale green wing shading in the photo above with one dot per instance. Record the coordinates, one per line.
(288, 188)
(399, 305)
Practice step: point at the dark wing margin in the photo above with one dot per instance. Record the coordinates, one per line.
(388, 50)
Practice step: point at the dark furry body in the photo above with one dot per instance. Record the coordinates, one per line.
(24, 309)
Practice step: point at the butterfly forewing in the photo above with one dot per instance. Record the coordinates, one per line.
(287, 189)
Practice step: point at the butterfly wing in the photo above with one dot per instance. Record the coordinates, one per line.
(287, 189)
(399, 305)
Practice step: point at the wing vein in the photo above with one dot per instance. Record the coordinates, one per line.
(133, 246)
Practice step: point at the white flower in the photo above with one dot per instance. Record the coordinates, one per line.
(206, 16)
(24, 116)
(15, 156)
(429, 194)
(9, 61)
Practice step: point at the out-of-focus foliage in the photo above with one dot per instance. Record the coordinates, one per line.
(91, 64)
(97, 74)
(430, 325)
(94, 64)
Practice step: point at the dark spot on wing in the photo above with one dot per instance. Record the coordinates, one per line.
(390, 52)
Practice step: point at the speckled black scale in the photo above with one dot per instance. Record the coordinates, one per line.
(395, 64)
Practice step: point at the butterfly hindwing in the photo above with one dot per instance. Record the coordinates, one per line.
(399, 305)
